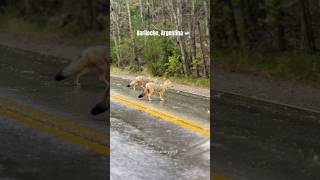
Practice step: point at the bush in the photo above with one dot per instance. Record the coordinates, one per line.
(157, 54)
(154, 56)
(173, 66)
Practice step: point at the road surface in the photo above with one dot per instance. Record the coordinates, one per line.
(158, 140)
(254, 139)
(48, 133)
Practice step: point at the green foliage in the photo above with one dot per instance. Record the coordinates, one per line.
(292, 64)
(273, 12)
(74, 16)
(113, 54)
(173, 66)
(154, 55)
(195, 63)
(125, 50)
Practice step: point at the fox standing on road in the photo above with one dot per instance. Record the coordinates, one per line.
(140, 80)
(92, 58)
(155, 87)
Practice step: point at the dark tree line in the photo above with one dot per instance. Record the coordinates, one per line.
(80, 15)
(266, 25)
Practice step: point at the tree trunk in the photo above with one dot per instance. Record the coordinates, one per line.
(143, 21)
(240, 22)
(308, 41)
(133, 61)
(186, 65)
(207, 16)
(281, 34)
(116, 33)
(203, 58)
(193, 37)
(234, 30)
(175, 16)
(27, 6)
(93, 15)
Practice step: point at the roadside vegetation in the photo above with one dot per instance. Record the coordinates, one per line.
(268, 37)
(80, 22)
(180, 58)
(295, 65)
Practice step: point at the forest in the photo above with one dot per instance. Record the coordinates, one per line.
(278, 37)
(71, 18)
(174, 56)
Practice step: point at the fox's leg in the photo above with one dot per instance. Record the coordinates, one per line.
(102, 77)
(76, 80)
(161, 96)
(142, 84)
(149, 97)
(134, 86)
(149, 94)
(102, 71)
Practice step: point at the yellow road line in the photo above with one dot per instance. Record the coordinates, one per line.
(186, 123)
(55, 120)
(202, 129)
(94, 146)
(57, 132)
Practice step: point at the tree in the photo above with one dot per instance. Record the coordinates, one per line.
(134, 60)
(306, 26)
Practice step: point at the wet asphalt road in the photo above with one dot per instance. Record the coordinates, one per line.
(258, 140)
(250, 140)
(35, 146)
(142, 146)
(147, 147)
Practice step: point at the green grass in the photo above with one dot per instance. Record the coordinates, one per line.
(10, 23)
(298, 65)
(199, 82)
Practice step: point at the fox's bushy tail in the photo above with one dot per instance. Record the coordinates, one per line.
(144, 92)
(71, 69)
(99, 108)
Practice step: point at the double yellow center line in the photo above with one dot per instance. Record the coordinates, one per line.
(90, 139)
(93, 140)
(186, 123)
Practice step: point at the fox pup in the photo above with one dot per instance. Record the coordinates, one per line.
(140, 80)
(92, 58)
(102, 106)
(155, 87)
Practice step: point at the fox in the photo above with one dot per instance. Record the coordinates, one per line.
(140, 80)
(92, 58)
(101, 106)
(152, 87)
